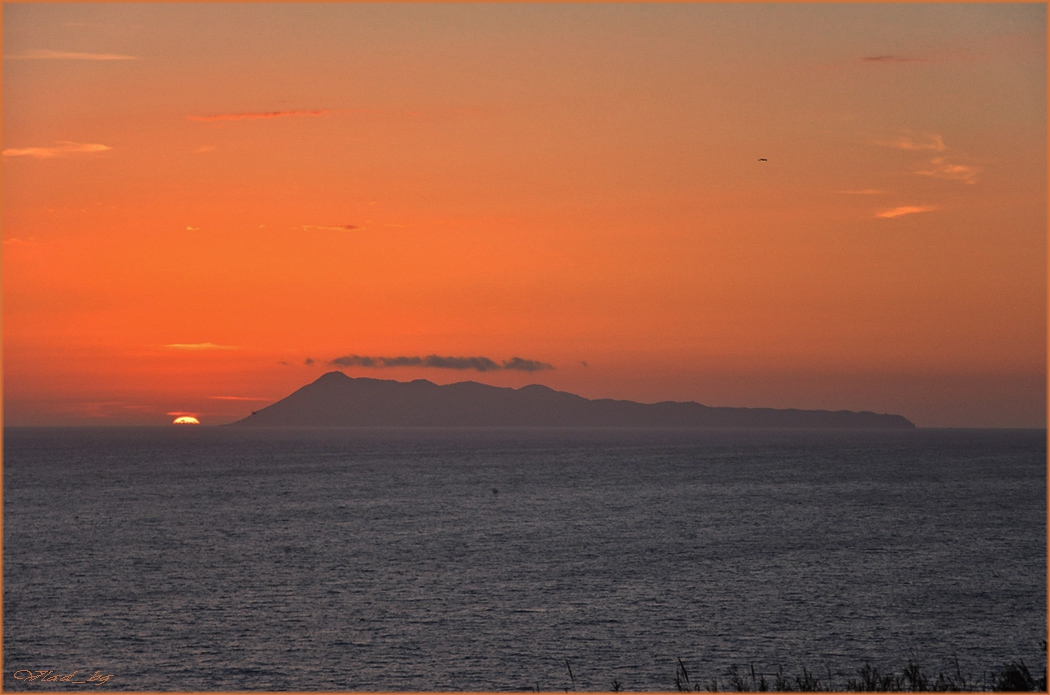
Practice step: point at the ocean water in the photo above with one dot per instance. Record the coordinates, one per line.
(196, 559)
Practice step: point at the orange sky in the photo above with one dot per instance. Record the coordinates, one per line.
(205, 205)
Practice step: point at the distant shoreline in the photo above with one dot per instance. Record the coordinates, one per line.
(225, 425)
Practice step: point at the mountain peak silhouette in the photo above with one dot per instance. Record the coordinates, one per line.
(336, 400)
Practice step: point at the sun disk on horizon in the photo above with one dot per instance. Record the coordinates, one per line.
(186, 420)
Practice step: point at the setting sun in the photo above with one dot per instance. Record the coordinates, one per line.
(186, 420)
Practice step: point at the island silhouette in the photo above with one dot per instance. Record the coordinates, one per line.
(336, 400)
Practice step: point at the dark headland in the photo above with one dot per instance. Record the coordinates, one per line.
(336, 400)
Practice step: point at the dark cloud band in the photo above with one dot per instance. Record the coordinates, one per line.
(518, 364)
(480, 364)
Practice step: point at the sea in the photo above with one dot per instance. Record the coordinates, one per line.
(234, 559)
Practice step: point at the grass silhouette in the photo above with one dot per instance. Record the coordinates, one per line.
(1013, 676)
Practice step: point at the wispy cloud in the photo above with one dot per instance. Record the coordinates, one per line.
(107, 409)
(864, 191)
(480, 364)
(238, 398)
(257, 116)
(929, 142)
(893, 58)
(200, 346)
(940, 168)
(330, 228)
(46, 54)
(62, 149)
(937, 167)
(906, 210)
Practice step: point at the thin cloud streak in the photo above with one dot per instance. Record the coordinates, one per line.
(200, 346)
(893, 59)
(906, 210)
(480, 364)
(941, 169)
(238, 398)
(330, 228)
(931, 142)
(63, 149)
(257, 116)
(46, 54)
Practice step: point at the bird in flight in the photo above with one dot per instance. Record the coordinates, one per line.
(762, 159)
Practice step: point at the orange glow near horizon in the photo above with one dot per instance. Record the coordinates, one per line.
(194, 218)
